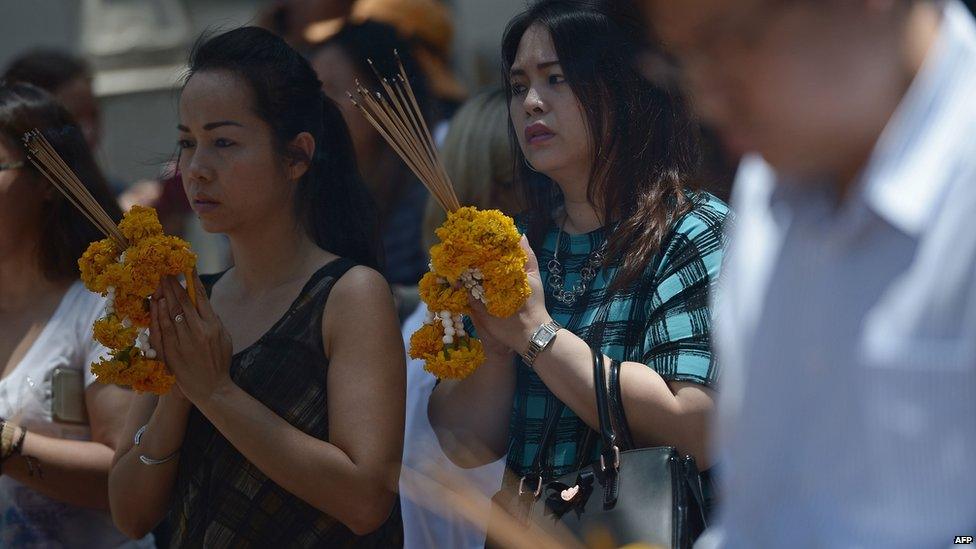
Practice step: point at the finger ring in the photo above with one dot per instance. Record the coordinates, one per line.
(178, 318)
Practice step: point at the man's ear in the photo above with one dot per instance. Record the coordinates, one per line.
(297, 166)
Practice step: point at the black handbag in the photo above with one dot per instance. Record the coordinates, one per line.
(629, 495)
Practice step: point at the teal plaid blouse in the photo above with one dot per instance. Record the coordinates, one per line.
(662, 319)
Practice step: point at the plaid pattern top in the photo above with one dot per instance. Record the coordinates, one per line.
(223, 500)
(662, 319)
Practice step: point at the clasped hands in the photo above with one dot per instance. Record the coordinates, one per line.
(190, 340)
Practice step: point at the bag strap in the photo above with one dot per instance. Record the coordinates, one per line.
(689, 469)
(602, 400)
(693, 478)
(610, 453)
(545, 444)
(617, 407)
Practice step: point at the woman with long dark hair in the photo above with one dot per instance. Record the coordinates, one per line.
(623, 254)
(58, 428)
(285, 426)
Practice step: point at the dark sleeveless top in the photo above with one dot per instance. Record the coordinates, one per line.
(221, 499)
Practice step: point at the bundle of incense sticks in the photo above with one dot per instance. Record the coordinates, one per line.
(396, 115)
(47, 161)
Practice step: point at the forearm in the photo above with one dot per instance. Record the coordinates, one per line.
(140, 493)
(72, 471)
(657, 412)
(471, 416)
(316, 471)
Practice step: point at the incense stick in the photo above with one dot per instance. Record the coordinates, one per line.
(397, 117)
(47, 161)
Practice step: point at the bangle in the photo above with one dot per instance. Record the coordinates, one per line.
(2, 423)
(146, 459)
(19, 445)
(6, 439)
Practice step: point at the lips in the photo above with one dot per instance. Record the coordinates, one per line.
(203, 203)
(537, 133)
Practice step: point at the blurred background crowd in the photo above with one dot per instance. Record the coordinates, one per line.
(117, 64)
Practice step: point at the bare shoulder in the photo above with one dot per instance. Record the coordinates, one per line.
(360, 286)
(361, 298)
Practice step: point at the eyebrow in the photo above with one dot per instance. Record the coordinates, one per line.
(212, 125)
(541, 66)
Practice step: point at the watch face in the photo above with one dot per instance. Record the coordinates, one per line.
(542, 337)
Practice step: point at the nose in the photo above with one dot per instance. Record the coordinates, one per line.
(197, 167)
(533, 102)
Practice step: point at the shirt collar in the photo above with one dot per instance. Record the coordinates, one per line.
(912, 162)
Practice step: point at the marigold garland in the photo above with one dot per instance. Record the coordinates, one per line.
(478, 253)
(130, 367)
(127, 278)
(453, 356)
(439, 295)
(456, 363)
(110, 332)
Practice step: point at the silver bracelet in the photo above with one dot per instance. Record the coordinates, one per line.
(146, 459)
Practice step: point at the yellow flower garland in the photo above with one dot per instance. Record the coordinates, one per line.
(110, 332)
(441, 296)
(478, 254)
(127, 278)
(455, 361)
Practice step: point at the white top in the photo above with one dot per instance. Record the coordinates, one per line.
(27, 518)
(847, 416)
(431, 522)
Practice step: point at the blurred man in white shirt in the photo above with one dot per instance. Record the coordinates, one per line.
(847, 321)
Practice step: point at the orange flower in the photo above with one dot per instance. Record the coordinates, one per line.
(427, 341)
(441, 296)
(154, 257)
(150, 376)
(133, 307)
(93, 263)
(129, 367)
(140, 222)
(457, 361)
(110, 332)
(107, 370)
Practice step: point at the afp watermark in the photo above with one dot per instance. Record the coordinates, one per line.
(963, 540)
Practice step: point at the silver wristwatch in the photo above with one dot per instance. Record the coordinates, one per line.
(540, 341)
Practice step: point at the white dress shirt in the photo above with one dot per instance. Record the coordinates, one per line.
(848, 335)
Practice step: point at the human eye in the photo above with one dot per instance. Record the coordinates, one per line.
(556, 78)
(184, 144)
(518, 88)
(222, 142)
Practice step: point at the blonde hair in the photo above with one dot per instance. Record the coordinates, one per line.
(478, 158)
